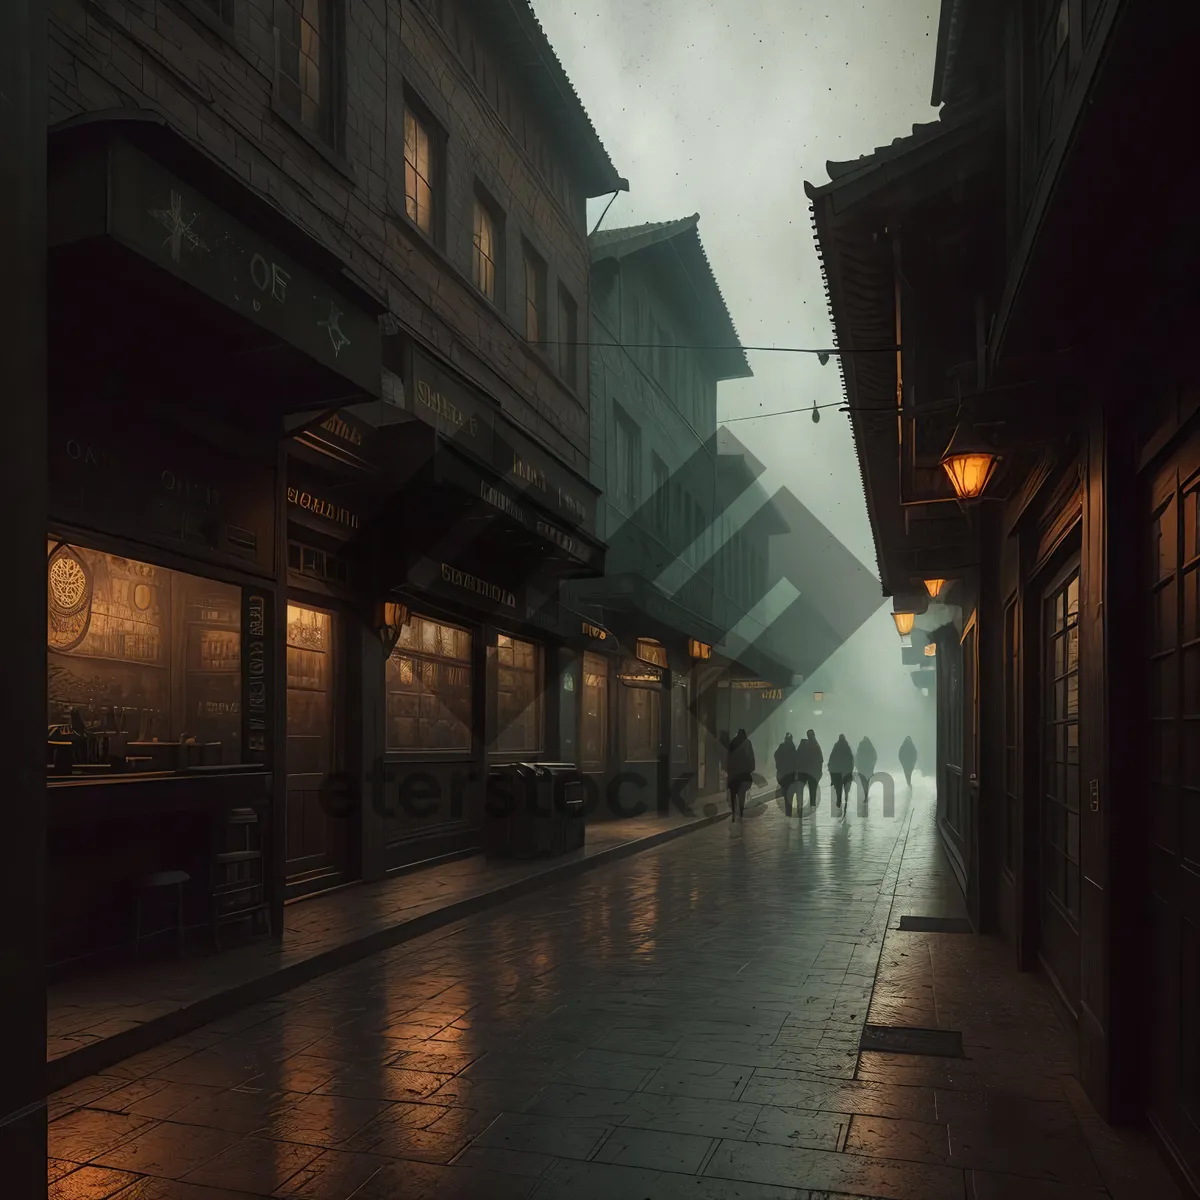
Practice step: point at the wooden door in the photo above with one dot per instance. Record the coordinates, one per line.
(1060, 787)
(1172, 795)
(315, 841)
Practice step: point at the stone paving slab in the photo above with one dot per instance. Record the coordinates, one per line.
(617, 1035)
(97, 1021)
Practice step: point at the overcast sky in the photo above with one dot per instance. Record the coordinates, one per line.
(725, 108)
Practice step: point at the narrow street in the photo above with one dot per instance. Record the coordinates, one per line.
(682, 1023)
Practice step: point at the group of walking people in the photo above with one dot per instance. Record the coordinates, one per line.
(798, 768)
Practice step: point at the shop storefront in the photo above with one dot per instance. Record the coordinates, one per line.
(180, 336)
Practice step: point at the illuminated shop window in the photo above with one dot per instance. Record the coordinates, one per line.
(518, 696)
(593, 722)
(144, 665)
(428, 685)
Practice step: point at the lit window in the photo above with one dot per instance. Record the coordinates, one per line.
(518, 696)
(305, 70)
(485, 250)
(428, 686)
(594, 713)
(418, 173)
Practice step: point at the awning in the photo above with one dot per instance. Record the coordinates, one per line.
(116, 213)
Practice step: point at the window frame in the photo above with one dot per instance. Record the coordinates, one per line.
(418, 656)
(485, 205)
(540, 691)
(416, 111)
(332, 138)
(660, 490)
(623, 422)
(532, 263)
(568, 337)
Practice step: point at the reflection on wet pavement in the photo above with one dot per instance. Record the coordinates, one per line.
(683, 1023)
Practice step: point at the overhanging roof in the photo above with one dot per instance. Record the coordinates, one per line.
(851, 213)
(693, 273)
(515, 30)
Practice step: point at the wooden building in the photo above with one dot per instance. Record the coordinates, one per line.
(318, 289)
(1012, 288)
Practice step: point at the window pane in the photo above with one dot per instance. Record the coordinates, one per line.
(418, 173)
(642, 720)
(519, 697)
(428, 688)
(594, 713)
(305, 66)
(137, 655)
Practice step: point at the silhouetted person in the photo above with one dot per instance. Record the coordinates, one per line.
(841, 768)
(865, 759)
(786, 765)
(908, 759)
(810, 763)
(741, 773)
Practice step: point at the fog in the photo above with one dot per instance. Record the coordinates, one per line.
(725, 108)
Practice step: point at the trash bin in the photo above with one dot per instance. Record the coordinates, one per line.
(520, 811)
(534, 810)
(568, 798)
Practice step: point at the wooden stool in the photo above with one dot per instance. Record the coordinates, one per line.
(152, 882)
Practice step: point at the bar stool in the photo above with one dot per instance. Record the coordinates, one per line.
(238, 885)
(154, 882)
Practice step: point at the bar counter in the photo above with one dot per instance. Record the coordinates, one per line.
(88, 800)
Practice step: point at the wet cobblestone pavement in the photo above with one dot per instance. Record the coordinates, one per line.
(684, 1023)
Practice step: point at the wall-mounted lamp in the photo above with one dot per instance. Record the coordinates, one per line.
(818, 697)
(904, 622)
(930, 649)
(934, 587)
(390, 617)
(969, 461)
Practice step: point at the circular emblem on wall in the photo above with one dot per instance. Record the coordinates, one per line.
(69, 599)
(141, 597)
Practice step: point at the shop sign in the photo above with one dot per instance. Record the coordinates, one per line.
(749, 685)
(651, 652)
(634, 671)
(447, 578)
(699, 649)
(461, 415)
(594, 632)
(176, 227)
(771, 694)
(256, 675)
(546, 480)
(320, 507)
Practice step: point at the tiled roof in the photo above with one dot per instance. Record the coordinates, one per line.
(696, 269)
(515, 27)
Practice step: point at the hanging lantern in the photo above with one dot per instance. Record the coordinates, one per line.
(904, 622)
(969, 461)
(934, 587)
(816, 413)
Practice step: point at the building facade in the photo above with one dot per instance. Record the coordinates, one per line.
(1013, 333)
(305, 545)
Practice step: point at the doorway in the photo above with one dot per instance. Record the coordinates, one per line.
(316, 840)
(1172, 789)
(1059, 783)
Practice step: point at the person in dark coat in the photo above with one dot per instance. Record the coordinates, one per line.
(810, 763)
(741, 773)
(841, 768)
(908, 759)
(786, 765)
(865, 760)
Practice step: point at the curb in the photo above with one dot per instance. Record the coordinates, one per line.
(97, 1057)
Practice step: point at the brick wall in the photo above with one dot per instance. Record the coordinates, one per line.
(214, 85)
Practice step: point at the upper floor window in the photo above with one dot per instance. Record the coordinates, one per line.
(568, 337)
(487, 248)
(306, 46)
(664, 359)
(535, 295)
(660, 484)
(419, 150)
(626, 460)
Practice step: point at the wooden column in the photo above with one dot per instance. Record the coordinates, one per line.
(23, 603)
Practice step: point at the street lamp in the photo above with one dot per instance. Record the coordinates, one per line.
(390, 618)
(934, 587)
(904, 622)
(969, 461)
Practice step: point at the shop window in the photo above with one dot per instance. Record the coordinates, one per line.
(306, 47)
(428, 688)
(643, 719)
(518, 696)
(681, 724)
(144, 666)
(594, 713)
